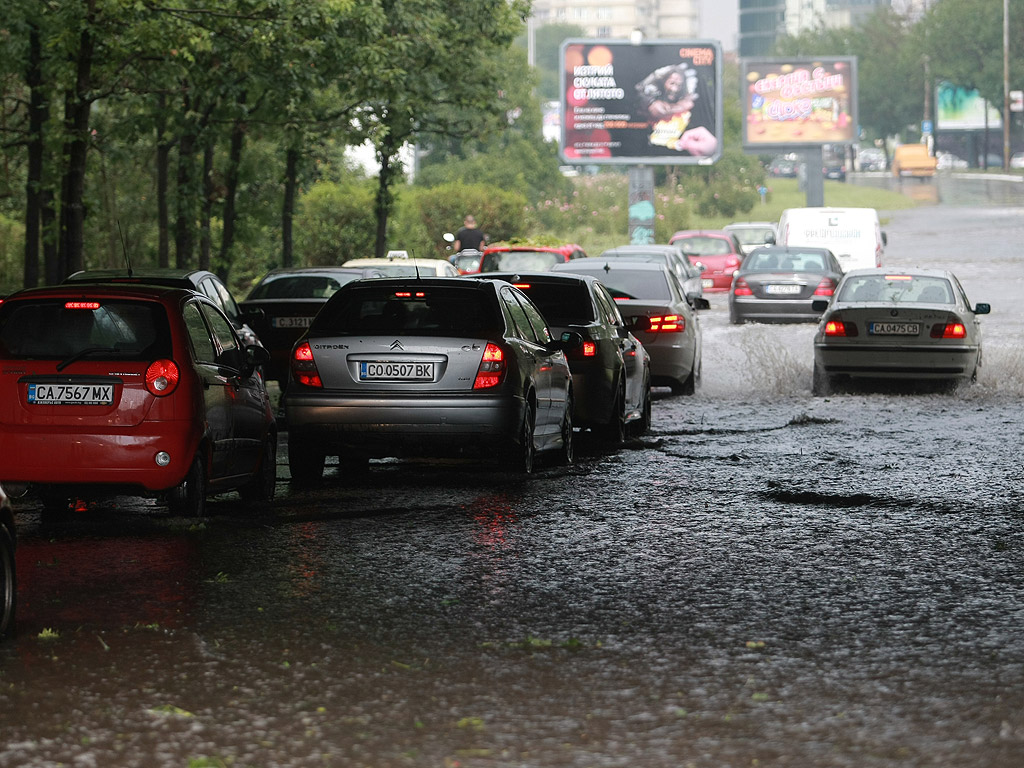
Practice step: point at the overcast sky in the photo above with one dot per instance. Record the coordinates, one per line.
(720, 21)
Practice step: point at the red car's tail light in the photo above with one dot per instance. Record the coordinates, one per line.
(492, 368)
(589, 349)
(953, 329)
(834, 326)
(668, 324)
(304, 367)
(162, 377)
(741, 288)
(826, 287)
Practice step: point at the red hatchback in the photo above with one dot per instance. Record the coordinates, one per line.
(715, 252)
(527, 258)
(134, 389)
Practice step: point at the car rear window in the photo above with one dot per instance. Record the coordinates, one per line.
(58, 329)
(520, 261)
(794, 261)
(427, 310)
(634, 284)
(897, 288)
(301, 286)
(562, 303)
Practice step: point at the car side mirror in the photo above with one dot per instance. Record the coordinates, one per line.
(699, 302)
(568, 340)
(885, 239)
(819, 305)
(255, 313)
(982, 308)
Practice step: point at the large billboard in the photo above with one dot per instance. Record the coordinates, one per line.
(791, 103)
(962, 109)
(657, 102)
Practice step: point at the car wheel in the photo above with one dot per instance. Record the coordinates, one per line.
(644, 423)
(189, 497)
(305, 463)
(523, 451)
(615, 430)
(689, 385)
(263, 486)
(565, 454)
(8, 583)
(821, 382)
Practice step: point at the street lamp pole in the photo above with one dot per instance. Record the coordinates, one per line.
(1006, 84)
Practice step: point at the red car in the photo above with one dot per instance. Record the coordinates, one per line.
(527, 258)
(715, 252)
(131, 389)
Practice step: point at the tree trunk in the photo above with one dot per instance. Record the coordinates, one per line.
(207, 206)
(288, 209)
(163, 164)
(227, 241)
(38, 114)
(384, 200)
(184, 240)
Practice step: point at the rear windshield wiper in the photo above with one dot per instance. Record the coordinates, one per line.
(86, 353)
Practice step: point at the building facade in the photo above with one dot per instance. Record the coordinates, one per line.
(616, 19)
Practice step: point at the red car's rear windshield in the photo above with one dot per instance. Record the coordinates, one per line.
(427, 310)
(55, 329)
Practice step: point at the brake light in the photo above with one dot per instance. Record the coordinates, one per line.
(522, 286)
(304, 367)
(741, 288)
(81, 305)
(162, 377)
(589, 349)
(492, 367)
(834, 326)
(668, 324)
(951, 330)
(826, 287)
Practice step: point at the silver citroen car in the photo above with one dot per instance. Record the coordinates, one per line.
(435, 367)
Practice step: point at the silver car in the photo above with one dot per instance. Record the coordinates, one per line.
(437, 367)
(895, 324)
(671, 331)
(673, 257)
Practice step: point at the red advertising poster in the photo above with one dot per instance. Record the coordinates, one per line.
(653, 102)
(799, 102)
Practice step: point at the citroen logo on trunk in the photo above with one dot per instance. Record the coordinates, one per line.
(396, 344)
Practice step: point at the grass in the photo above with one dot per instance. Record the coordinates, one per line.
(782, 194)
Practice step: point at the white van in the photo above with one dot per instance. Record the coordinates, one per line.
(852, 234)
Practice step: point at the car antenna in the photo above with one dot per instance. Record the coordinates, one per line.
(415, 264)
(124, 247)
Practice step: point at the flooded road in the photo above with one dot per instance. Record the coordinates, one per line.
(767, 578)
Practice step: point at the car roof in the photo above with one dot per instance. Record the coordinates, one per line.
(913, 271)
(166, 275)
(789, 249)
(703, 233)
(750, 225)
(594, 263)
(621, 250)
(103, 290)
(374, 262)
(541, 277)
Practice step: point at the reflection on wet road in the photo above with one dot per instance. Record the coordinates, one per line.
(767, 578)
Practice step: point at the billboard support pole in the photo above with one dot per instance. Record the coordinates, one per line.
(641, 205)
(814, 163)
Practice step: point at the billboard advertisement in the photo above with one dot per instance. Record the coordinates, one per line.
(799, 102)
(962, 109)
(657, 102)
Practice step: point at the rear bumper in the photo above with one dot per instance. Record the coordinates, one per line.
(376, 427)
(904, 362)
(47, 456)
(774, 310)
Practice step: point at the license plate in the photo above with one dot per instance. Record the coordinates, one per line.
(707, 283)
(71, 394)
(396, 371)
(894, 329)
(290, 322)
(782, 289)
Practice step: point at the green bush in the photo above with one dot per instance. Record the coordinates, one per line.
(335, 222)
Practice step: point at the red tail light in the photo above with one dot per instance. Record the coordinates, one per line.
(951, 330)
(826, 287)
(589, 349)
(304, 367)
(834, 326)
(492, 368)
(741, 288)
(668, 324)
(162, 377)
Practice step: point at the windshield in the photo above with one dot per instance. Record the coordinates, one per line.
(59, 329)
(626, 284)
(520, 261)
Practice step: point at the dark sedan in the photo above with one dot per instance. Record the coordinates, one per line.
(777, 283)
(283, 304)
(611, 370)
(436, 367)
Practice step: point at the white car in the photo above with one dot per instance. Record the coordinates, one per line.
(914, 325)
(753, 234)
(399, 264)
